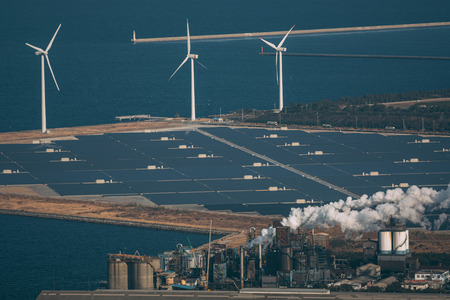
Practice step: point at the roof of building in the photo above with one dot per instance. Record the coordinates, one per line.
(386, 281)
(368, 266)
(431, 271)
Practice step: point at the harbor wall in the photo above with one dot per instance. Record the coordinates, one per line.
(293, 32)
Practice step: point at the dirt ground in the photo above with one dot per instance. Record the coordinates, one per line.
(133, 212)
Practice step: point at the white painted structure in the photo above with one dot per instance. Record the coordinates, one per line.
(44, 53)
(385, 241)
(433, 275)
(279, 50)
(192, 57)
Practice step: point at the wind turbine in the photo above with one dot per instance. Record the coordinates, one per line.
(279, 50)
(192, 57)
(44, 53)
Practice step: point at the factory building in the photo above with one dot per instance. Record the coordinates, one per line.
(291, 259)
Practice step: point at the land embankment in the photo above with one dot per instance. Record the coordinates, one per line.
(129, 214)
(237, 225)
(294, 32)
(29, 136)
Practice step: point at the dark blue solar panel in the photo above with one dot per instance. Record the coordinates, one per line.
(189, 198)
(215, 173)
(50, 177)
(145, 175)
(92, 189)
(149, 187)
(240, 184)
(17, 178)
(265, 196)
(124, 158)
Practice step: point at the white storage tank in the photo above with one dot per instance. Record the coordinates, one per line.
(400, 241)
(384, 242)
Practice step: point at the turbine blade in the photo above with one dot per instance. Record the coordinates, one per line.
(184, 61)
(201, 64)
(276, 64)
(188, 37)
(269, 43)
(51, 71)
(53, 38)
(35, 48)
(282, 41)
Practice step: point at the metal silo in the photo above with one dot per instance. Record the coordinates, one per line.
(384, 242)
(400, 241)
(140, 276)
(117, 274)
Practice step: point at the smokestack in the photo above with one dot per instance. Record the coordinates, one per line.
(260, 256)
(242, 267)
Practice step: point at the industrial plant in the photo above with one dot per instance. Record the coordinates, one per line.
(277, 258)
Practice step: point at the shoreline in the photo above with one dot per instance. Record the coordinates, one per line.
(114, 222)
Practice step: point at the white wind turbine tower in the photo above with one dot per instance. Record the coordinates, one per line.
(192, 57)
(43, 54)
(279, 50)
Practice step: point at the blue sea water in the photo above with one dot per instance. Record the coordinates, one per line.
(41, 254)
(102, 74)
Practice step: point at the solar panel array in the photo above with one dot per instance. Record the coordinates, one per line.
(224, 168)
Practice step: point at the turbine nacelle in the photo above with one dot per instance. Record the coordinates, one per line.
(194, 56)
(281, 49)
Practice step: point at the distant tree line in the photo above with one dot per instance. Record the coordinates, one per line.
(366, 112)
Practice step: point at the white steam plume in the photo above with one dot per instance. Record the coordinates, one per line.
(367, 213)
(265, 238)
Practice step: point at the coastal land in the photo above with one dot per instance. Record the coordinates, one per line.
(26, 201)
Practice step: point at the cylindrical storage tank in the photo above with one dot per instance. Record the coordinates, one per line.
(286, 259)
(400, 242)
(117, 274)
(407, 242)
(384, 242)
(140, 276)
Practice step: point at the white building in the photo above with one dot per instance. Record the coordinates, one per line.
(433, 275)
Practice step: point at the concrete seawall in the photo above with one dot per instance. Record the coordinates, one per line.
(294, 32)
(114, 222)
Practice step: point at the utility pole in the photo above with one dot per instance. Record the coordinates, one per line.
(209, 254)
(317, 118)
(404, 125)
(356, 121)
(423, 125)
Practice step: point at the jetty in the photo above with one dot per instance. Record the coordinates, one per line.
(359, 56)
(280, 33)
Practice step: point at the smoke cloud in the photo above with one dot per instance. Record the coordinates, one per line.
(265, 238)
(368, 213)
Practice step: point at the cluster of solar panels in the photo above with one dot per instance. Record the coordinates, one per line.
(188, 167)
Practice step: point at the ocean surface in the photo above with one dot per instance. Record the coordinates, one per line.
(41, 254)
(103, 75)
